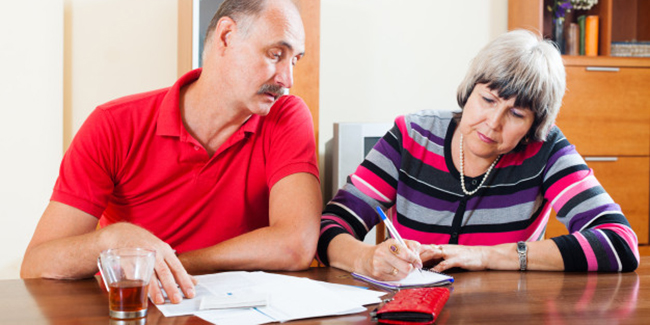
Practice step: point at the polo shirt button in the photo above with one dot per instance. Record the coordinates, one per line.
(196, 148)
(474, 182)
(454, 235)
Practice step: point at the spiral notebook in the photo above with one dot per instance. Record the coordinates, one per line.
(415, 279)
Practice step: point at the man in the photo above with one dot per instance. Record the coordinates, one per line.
(215, 173)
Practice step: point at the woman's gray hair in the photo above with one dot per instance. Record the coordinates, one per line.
(520, 63)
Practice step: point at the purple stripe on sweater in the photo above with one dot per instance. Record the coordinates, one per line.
(363, 209)
(426, 133)
(425, 200)
(611, 255)
(581, 219)
(503, 201)
(388, 151)
(560, 153)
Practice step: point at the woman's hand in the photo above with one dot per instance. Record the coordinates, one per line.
(390, 260)
(473, 258)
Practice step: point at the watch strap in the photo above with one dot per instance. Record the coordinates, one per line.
(522, 250)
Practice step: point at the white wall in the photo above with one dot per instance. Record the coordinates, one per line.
(31, 88)
(116, 48)
(383, 58)
(61, 58)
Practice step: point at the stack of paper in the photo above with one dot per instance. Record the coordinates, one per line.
(286, 298)
(415, 279)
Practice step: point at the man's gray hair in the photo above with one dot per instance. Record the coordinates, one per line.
(236, 10)
(520, 64)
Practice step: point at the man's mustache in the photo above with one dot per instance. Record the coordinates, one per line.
(276, 90)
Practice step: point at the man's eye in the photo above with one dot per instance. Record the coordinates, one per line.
(275, 54)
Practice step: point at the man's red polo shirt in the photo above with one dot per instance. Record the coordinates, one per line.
(133, 160)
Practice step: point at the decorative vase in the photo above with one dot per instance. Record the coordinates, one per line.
(558, 34)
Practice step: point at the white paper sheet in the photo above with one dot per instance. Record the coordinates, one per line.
(290, 298)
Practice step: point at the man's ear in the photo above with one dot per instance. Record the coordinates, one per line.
(223, 32)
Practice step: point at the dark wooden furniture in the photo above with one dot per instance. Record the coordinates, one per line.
(488, 297)
(606, 109)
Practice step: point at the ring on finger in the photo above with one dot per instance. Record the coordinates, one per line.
(394, 249)
(394, 272)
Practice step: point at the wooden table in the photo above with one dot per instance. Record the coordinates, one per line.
(489, 297)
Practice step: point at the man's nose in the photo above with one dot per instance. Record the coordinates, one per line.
(284, 75)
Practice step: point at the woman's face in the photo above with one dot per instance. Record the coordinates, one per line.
(492, 125)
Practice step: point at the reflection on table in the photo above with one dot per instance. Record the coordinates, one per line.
(488, 297)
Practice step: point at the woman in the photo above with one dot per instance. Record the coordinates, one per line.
(474, 189)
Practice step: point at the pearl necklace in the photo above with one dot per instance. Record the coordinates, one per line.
(462, 176)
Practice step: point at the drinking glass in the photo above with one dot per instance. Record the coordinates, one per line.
(126, 273)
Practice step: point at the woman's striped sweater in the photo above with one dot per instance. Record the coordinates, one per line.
(411, 171)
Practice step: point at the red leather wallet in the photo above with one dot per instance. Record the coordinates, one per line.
(413, 306)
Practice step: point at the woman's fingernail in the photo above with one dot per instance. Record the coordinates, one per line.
(190, 293)
(159, 299)
(177, 298)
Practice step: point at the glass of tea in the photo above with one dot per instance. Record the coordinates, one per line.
(126, 273)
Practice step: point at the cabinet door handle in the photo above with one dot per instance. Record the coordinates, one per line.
(601, 158)
(604, 69)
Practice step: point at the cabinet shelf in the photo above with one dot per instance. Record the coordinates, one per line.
(619, 21)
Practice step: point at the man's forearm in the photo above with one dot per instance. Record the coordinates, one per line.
(262, 249)
(65, 258)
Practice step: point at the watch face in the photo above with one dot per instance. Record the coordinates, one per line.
(521, 247)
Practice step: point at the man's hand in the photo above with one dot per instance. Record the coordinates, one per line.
(169, 272)
(66, 245)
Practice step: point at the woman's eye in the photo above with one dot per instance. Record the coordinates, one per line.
(488, 100)
(516, 113)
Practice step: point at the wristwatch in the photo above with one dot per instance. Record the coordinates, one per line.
(522, 250)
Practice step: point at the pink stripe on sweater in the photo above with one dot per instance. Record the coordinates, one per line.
(417, 150)
(518, 158)
(422, 237)
(339, 221)
(421, 153)
(564, 182)
(375, 181)
(400, 121)
(540, 226)
(465, 239)
(592, 262)
(626, 233)
(588, 182)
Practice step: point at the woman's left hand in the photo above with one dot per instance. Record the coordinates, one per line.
(473, 258)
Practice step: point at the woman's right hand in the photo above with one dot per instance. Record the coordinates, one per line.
(389, 260)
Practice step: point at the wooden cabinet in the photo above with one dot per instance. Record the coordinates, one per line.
(606, 115)
(606, 109)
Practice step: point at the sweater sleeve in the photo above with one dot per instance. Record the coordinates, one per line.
(600, 237)
(374, 183)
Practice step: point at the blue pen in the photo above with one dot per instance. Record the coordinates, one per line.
(391, 229)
